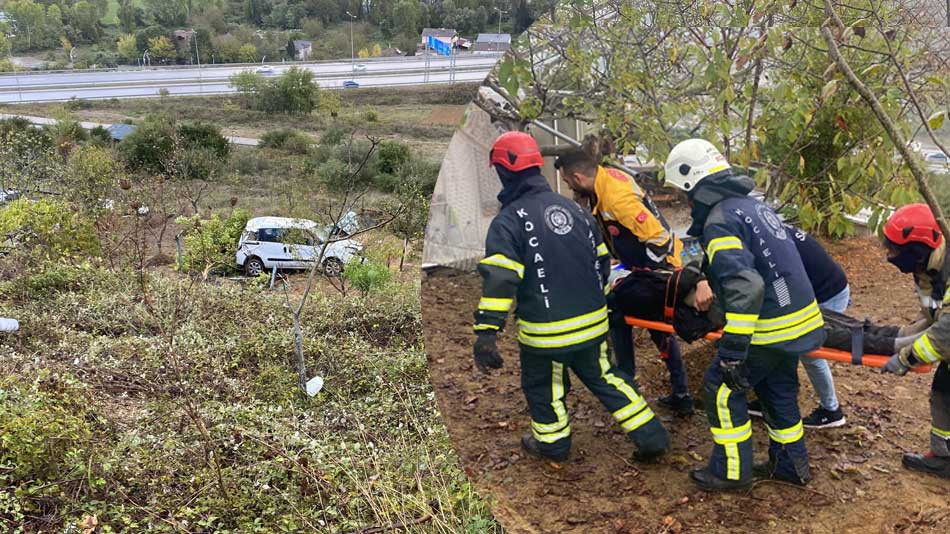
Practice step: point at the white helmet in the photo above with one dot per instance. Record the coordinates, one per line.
(691, 161)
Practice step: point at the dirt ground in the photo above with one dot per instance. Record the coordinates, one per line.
(859, 484)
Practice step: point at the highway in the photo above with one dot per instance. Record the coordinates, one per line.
(137, 83)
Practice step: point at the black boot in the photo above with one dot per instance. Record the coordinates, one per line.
(707, 481)
(929, 463)
(532, 447)
(766, 470)
(682, 405)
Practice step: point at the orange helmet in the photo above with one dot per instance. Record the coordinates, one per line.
(516, 151)
(913, 223)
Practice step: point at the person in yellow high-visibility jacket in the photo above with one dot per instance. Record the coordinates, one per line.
(637, 235)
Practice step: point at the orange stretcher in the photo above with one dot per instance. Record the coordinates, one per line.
(871, 360)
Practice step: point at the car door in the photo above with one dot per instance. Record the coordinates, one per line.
(299, 248)
(270, 248)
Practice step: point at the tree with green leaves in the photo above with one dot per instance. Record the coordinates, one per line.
(128, 48)
(129, 16)
(161, 48)
(763, 92)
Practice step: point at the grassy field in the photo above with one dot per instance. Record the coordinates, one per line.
(426, 117)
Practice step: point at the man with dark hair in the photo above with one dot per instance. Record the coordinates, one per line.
(546, 251)
(637, 235)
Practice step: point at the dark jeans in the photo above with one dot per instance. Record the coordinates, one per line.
(621, 334)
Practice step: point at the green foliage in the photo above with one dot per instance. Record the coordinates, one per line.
(44, 432)
(391, 155)
(293, 141)
(122, 431)
(91, 176)
(293, 92)
(368, 276)
(187, 150)
(48, 229)
(148, 146)
(210, 243)
(763, 94)
(204, 135)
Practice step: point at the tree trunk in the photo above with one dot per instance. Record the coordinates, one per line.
(898, 140)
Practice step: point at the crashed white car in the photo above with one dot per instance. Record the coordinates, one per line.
(286, 243)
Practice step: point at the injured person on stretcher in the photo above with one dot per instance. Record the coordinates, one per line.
(667, 296)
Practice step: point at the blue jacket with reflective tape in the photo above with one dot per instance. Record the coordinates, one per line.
(548, 252)
(756, 272)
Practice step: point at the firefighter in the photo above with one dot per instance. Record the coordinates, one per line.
(915, 245)
(772, 318)
(637, 235)
(547, 252)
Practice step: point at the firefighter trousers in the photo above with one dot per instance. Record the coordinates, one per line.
(773, 375)
(940, 411)
(546, 383)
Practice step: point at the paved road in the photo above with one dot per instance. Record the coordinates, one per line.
(156, 76)
(192, 87)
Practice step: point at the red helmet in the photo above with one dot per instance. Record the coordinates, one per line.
(914, 223)
(516, 151)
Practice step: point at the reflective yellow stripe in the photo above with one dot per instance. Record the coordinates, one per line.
(636, 422)
(924, 350)
(722, 243)
(774, 323)
(940, 433)
(740, 323)
(716, 169)
(565, 325)
(725, 419)
(486, 327)
(492, 304)
(500, 260)
(606, 289)
(787, 435)
(560, 429)
(787, 327)
(602, 250)
(566, 340)
(779, 336)
(630, 410)
(946, 298)
(633, 415)
(724, 436)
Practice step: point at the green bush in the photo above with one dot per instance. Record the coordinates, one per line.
(333, 136)
(211, 242)
(149, 145)
(368, 276)
(43, 430)
(49, 229)
(391, 155)
(205, 136)
(287, 139)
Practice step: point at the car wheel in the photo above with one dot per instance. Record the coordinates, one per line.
(254, 266)
(332, 267)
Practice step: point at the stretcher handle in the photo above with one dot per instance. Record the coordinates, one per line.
(870, 360)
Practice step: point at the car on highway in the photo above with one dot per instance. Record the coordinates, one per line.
(264, 69)
(359, 67)
(287, 243)
(937, 157)
(350, 84)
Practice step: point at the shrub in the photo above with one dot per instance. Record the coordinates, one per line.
(211, 242)
(205, 136)
(43, 432)
(333, 136)
(391, 155)
(370, 275)
(149, 144)
(48, 229)
(287, 139)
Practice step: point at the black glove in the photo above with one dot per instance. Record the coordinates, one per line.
(486, 352)
(733, 374)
